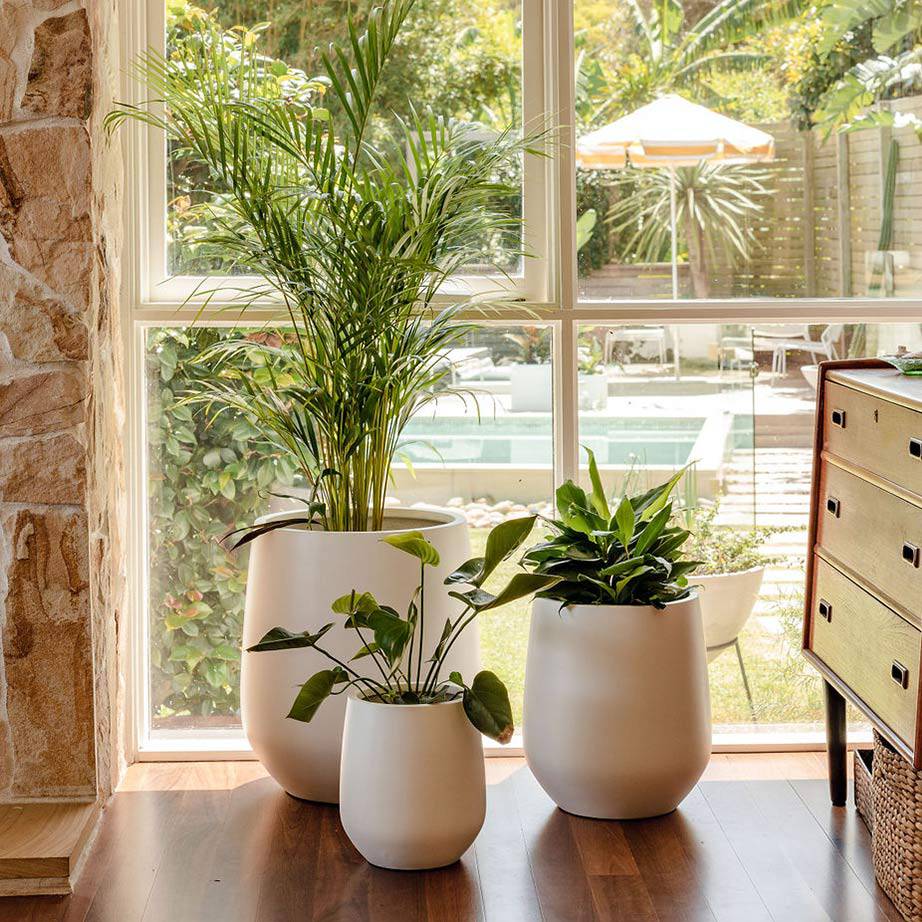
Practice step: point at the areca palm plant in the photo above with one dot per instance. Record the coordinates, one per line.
(675, 53)
(717, 205)
(351, 236)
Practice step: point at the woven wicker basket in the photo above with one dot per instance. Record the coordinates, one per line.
(896, 793)
(864, 759)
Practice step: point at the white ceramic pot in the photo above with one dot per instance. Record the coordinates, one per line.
(413, 793)
(727, 601)
(294, 574)
(593, 392)
(617, 718)
(530, 388)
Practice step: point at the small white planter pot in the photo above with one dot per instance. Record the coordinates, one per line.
(617, 710)
(727, 601)
(293, 576)
(413, 793)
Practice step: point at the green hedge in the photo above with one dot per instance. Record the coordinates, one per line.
(204, 478)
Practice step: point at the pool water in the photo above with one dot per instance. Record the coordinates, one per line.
(528, 440)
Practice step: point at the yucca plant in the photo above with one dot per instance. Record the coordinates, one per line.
(352, 235)
(629, 555)
(718, 206)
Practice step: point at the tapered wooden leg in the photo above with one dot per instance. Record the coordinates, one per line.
(836, 746)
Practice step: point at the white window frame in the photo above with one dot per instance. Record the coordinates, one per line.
(546, 292)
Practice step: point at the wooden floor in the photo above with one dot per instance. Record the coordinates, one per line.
(220, 842)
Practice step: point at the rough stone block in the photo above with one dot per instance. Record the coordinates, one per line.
(45, 206)
(60, 76)
(49, 470)
(47, 658)
(48, 400)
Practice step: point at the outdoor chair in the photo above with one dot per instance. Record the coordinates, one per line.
(780, 347)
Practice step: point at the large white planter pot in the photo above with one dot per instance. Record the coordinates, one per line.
(294, 574)
(413, 793)
(617, 718)
(727, 601)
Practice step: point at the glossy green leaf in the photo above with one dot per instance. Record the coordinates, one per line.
(280, 638)
(624, 520)
(314, 692)
(486, 703)
(599, 499)
(416, 545)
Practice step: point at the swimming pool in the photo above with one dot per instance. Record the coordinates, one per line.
(527, 440)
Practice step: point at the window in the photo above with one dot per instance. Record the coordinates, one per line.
(808, 253)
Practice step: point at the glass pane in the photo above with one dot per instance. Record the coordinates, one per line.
(793, 210)
(738, 403)
(463, 61)
(488, 454)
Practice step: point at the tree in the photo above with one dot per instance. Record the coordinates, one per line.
(893, 68)
(678, 53)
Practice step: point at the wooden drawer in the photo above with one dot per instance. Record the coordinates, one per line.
(873, 433)
(872, 532)
(869, 647)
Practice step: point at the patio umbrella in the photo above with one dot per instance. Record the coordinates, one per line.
(668, 133)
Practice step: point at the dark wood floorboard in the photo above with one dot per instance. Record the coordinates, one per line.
(196, 844)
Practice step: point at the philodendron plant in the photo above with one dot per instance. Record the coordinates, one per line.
(627, 555)
(395, 644)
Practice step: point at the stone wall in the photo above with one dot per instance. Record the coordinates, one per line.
(60, 407)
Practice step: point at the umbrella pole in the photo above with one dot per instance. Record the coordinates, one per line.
(675, 265)
(672, 229)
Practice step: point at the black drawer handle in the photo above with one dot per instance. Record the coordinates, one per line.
(838, 418)
(911, 553)
(915, 448)
(900, 674)
(825, 610)
(833, 506)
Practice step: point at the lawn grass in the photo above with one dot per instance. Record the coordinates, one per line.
(785, 689)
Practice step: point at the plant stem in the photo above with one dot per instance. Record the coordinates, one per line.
(432, 676)
(422, 622)
(370, 682)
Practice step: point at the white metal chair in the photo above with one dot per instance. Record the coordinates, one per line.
(655, 336)
(780, 347)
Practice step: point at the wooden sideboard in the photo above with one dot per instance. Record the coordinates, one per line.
(863, 601)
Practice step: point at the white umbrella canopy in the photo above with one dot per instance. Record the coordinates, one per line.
(672, 132)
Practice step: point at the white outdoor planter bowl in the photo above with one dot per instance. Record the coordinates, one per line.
(294, 574)
(413, 793)
(727, 601)
(617, 718)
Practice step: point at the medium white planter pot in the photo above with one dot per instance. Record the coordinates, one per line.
(727, 601)
(617, 718)
(530, 388)
(294, 574)
(413, 793)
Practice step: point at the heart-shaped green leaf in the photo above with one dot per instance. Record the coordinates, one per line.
(486, 703)
(314, 692)
(281, 639)
(416, 545)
